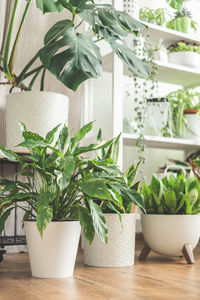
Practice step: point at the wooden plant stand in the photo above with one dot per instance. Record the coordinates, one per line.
(187, 253)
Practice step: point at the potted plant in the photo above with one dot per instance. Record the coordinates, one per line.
(185, 107)
(184, 54)
(71, 56)
(182, 21)
(171, 225)
(120, 220)
(58, 193)
(154, 16)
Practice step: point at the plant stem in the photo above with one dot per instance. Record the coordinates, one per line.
(42, 80)
(12, 57)
(8, 42)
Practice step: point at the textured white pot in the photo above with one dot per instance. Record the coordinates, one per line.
(53, 255)
(167, 234)
(186, 58)
(131, 7)
(120, 249)
(39, 111)
(193, 131)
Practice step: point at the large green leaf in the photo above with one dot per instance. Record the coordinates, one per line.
(50, 135)
(86, 222)
(64, 176)
(44, 200)
(131, 174)
(156, 187)
(43, 218)
(4, 218)
(49, 5)
(10, 155)
(99, 222)
(170, 201)
(81, 59)
(95, 188)
(80, 135)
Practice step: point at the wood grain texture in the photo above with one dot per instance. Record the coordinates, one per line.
(158, 278)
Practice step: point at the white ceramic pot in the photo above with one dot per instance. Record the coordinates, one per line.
(53, 255)
(161, 56)
(193, 127)
(39, 111)
(167, 234)
(185, 58)
(120, 249)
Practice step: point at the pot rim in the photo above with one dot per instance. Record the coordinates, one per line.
(36, 91)
(178, 52)
(164, 215)
(115, 214)
(190, 111)
(67, 221)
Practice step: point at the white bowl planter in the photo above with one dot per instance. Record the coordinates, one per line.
(167, 234)
(40, 112)
(185, 58)
(53, 255)
(120, 249)
(193, 125)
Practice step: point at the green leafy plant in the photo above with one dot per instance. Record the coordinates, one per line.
(176, 4)
(154, 16)
(63, 184)
(72, 56)
(176, 195)
(180, 101)
(182, 21)
(183, 46)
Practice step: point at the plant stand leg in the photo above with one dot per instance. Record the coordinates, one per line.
(188, 253)
(2, 252)
(144, 253)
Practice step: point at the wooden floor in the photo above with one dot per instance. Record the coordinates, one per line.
(157, 278)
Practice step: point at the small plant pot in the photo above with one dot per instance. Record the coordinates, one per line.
(192, 131)
(185, 58)
(182, 24)
(53, 255)
(167, 234)
(40, 111)
(120, 249)
(161, 56)
(157, 116)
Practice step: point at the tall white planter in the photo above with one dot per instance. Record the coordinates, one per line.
(120, 249)
(40, 112)
(167, 234)
(193, 126)
(53, 255)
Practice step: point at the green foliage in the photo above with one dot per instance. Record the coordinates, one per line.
(182, 21)
(154, 16)
(176, 4)
(183, 46)
(63, 185)
(176, 195)
(181, 100)
(69, 54)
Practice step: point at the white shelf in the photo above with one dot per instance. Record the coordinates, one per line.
(162, 142)
(170, 73)
(169, 36)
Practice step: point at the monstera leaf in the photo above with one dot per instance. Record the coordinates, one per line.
(80, 60)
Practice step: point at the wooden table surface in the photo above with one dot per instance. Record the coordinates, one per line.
(157, 278)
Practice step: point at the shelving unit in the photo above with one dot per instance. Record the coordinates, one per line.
(168, 73)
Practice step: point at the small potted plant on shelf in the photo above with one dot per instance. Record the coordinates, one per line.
(120, 219)
(155, 16)
(182, 21)
(184, 54)
(69, 54)
(185, 107)
(171, 225)
(59, 191)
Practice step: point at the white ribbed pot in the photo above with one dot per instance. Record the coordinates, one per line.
(120, 249)
(39, 111)
(185, 58)
(53, 255)
(167, 234)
